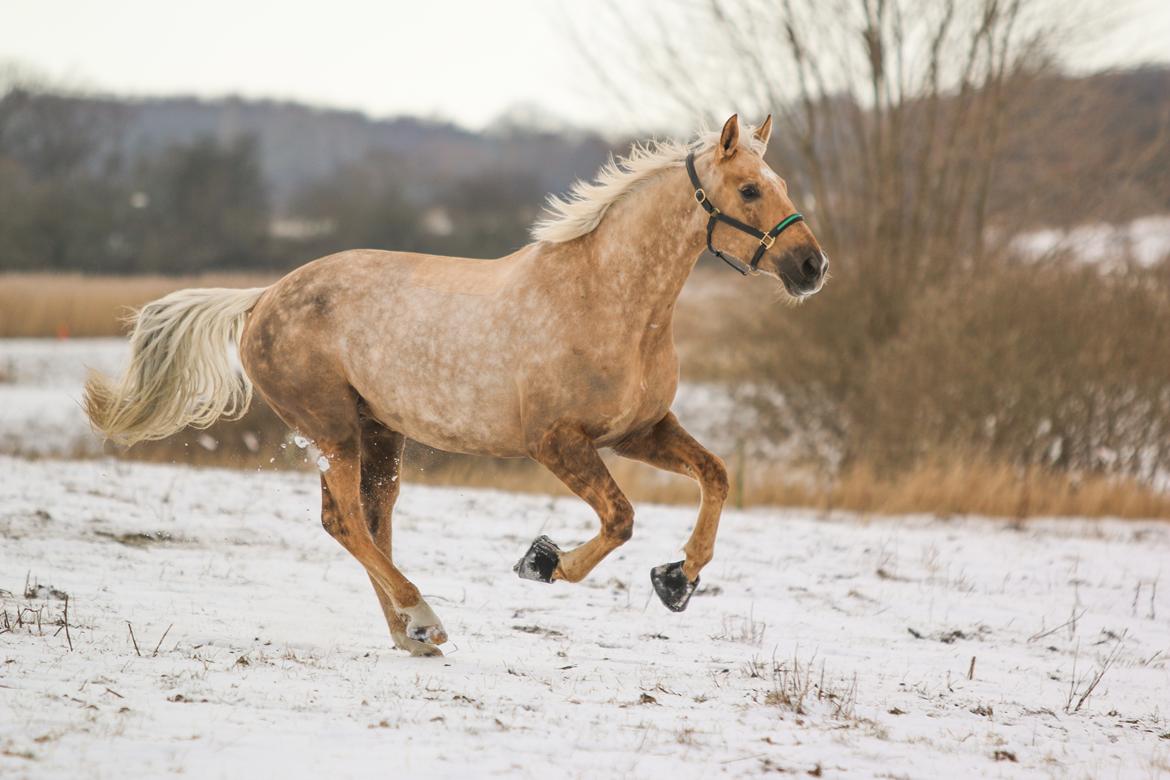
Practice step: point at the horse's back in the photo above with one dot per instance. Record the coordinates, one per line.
(343, 287)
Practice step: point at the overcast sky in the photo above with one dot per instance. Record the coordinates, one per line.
(466, 60)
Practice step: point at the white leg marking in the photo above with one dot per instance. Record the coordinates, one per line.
(422, 624)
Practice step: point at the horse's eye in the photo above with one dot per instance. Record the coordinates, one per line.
(749, 192)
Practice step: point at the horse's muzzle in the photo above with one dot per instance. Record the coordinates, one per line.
(803, 271)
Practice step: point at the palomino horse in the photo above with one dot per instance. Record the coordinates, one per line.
(553, 352)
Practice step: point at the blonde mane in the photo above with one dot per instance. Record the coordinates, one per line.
(582, 209)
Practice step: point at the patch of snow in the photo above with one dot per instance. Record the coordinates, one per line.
(1146, 239)
(41, 383)
(273, 657)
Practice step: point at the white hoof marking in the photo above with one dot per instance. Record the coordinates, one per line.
(423, 625)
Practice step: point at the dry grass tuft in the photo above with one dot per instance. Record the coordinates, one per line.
(35, 616)
(1080, 688)
(796, 686)
(741, 628)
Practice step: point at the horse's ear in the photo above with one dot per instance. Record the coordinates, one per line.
(764, 131)
(729, 138)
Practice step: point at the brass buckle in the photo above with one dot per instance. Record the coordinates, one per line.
(768, 240)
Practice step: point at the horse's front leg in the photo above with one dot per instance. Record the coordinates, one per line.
(668, 446)
(567, 452)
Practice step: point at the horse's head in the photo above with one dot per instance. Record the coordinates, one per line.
(737, 183)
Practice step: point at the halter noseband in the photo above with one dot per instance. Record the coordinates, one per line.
(766, 239)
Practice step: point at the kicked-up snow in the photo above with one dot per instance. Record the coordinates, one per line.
(214, 630)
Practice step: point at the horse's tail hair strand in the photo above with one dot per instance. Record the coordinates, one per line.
(183, 371)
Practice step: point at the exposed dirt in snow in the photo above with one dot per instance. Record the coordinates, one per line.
(840, 643)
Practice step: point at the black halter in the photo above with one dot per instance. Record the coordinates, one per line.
(766, 239)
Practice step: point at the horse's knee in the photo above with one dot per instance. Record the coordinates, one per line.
(713, 477)
(619, 526)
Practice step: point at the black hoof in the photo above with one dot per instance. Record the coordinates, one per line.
(540, 561)
(672, 586)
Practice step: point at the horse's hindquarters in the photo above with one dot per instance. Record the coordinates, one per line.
(432, 364)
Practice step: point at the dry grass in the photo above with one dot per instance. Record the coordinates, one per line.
(797, 686)
(945, 487)
(957, 485)
(47, 305)
(953, 487)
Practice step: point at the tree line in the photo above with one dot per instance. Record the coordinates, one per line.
(77, 193)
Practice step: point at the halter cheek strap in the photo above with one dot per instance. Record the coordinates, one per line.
(766, 239)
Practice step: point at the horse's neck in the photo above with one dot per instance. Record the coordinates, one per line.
(647, 245)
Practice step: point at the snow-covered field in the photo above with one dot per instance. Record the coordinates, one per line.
(40, 392)
(844, 646)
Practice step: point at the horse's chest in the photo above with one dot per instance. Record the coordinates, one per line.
(624, 396)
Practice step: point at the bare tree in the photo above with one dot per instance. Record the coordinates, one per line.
(891, 111)
(894, 116)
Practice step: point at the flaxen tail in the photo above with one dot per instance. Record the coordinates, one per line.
(181, 370)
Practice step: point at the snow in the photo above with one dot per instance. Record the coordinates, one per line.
(1146, 240)
(273, 658)
(40, 393)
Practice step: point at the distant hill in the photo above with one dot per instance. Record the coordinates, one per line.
(1095, 147)
(182, 184)
(1066, 130)
(299, 144)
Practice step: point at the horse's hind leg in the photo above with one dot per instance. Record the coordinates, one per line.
(668, 446)
(569, 454)
(328, 411)
(343, 518)
(381, 456)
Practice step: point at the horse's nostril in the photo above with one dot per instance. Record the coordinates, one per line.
(811, 267)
